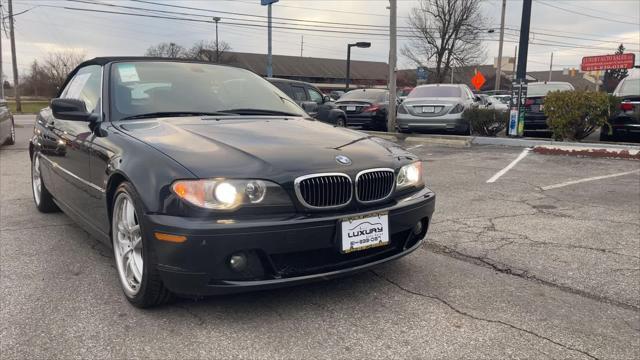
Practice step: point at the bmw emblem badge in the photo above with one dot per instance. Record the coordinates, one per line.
(343, 160)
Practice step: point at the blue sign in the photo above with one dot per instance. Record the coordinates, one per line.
(421, 73)
(268, 2)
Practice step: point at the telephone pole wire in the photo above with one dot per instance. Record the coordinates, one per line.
(16, 86)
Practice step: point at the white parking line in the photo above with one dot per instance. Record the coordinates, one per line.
(414, 147)
(587, 179)
(513, 163)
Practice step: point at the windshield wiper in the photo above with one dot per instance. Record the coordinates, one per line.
(260, 112)
(178, 114)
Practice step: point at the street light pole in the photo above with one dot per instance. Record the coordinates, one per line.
(499, 68)
(360, 44)
(14, 61)
(391, 121)
(217, 19)
(269, 58)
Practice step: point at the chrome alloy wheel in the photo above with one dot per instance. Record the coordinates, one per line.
(127, 244)
(36, 180)
(13, 133)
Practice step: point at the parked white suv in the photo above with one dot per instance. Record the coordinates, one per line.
(436, 107)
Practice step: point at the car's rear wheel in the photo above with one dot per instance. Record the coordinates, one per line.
(41, 196)
(139, 278)
(12, 138)
(341, 122)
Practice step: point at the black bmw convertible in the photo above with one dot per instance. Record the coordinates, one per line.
(207, 179)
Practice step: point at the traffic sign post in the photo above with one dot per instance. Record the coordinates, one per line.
(478, 80)
(421, 74)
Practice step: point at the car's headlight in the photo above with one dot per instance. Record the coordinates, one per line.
(409, 176)
(224, 194)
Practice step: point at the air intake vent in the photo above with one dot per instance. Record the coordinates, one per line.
(374, 185)
(324, 190)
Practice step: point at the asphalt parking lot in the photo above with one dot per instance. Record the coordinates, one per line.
(528, 266)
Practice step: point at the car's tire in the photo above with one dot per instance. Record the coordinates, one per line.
(12, 138)
(134, 254)
(341, 122)
(41, 196)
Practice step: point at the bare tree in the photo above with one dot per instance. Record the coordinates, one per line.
(168, 50)
(445, 33)
(57, 65)
(211, 52)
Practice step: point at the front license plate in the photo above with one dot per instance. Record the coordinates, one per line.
(428, 109)
(351, 108)
(365, 232)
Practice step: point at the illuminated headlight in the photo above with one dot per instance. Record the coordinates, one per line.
(409, 176)
(224, 194)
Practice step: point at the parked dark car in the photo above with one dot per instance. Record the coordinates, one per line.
(535, 121)
(7, 126)
(625, 123)
(366, 108)
(207, 179)
(310, 98)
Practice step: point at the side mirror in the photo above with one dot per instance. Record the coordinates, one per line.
(326, 99)
(70, 109)
(477, 98)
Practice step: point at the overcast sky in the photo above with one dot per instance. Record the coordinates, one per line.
(568, 28)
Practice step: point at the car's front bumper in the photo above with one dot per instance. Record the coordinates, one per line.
(280, 252)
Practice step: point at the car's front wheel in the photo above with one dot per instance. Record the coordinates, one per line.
(41, 196)
(133, 254)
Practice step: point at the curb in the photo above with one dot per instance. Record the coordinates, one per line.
(467, 141)
(594, 152)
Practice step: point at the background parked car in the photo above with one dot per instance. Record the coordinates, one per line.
(404, 92)
(534, 118)
(436, 107)
(310, 99)
(336, 94)
(7, 127)
(625, 124)
(366, 108)
(492, 103)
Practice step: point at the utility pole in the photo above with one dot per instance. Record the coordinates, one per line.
(393, 55)
(301, 44)
(16, 86)
(217, 19)
(551, 66)
(499, 68)
(269, 58)
(1, 58)
(516, 121)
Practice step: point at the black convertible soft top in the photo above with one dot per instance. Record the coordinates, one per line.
(103, 60)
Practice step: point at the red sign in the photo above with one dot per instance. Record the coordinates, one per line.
(478, 80)
(607, 62)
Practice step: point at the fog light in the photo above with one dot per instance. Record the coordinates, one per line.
(238, 262)
(417, 230)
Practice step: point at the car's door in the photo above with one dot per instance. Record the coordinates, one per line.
(316, 107)
(5, 122)
(71, 163)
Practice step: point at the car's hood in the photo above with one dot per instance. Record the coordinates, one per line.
(264, 147)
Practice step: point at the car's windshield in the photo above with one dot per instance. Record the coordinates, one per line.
(435, 91)
(149, 87)
(543, 89)
(364, 94)
(629, 87)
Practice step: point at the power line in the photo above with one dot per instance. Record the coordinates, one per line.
(617, 21)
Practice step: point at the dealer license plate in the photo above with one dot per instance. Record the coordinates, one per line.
(365, 232)
(351, 108)
(428, 109)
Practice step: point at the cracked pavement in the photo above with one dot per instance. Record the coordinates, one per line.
(507, 271)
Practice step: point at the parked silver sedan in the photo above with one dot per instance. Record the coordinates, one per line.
(436, 107)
